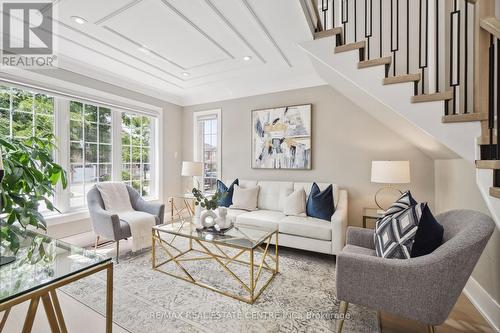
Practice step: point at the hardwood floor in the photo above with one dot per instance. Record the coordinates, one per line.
(463, 318)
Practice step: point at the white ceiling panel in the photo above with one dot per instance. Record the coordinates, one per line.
(196, 47)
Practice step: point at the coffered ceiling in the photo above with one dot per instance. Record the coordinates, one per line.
(187, 51)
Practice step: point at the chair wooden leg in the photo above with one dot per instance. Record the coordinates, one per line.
(430, 328)
(117, 251)
(96, 242)
(342, 317)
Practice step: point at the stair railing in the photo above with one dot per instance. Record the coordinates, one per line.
(433, 38)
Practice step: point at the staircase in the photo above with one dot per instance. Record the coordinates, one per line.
(429, 68)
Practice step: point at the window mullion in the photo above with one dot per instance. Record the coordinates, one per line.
(116, 145)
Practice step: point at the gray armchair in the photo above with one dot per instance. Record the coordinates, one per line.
(108, 225)
(424, 288)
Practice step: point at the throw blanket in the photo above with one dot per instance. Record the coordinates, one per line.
(117, 201)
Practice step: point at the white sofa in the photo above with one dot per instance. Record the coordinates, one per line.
(301, 232)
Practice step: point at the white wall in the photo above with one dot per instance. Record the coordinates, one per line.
(456, 188)
(345, 141)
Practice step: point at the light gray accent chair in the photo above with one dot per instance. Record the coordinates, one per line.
(108, 225)
(424, 288)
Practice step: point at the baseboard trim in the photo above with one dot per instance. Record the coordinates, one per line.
(483, 302)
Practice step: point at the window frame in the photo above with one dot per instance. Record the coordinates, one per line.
(61, 130)
(197, 153)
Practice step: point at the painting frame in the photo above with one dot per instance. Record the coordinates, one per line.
(305, 111)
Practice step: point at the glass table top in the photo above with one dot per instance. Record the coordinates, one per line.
(240, 236)
(51, 261)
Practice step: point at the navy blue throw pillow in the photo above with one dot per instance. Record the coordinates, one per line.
(226, 200)
(429, 234)
(320, 204)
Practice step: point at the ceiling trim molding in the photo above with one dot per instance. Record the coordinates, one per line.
(120, 61)
(117, 11)
(118, 50)
(266, 32)
(113, 31)
(236, 32)
(197, 28)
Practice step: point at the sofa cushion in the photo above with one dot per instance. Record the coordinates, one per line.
(322, 186)
(227, 199)
(320, 203)
(295, 203)
(272, 194)
(245, 198)
(429, 234)
(261, 218)
(395, 235)
(306, 226)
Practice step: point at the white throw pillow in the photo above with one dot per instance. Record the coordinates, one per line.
(295, 203)
(245, 198)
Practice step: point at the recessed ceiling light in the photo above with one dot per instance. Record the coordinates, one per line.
(247, 58)
(144, 49)
(78, 19)
(185, 74)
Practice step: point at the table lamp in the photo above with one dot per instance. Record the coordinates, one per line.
(389, 173)
(192, 169)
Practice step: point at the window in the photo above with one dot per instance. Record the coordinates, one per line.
(207, 147)
(90, 149)
(138, 152)
(24, 113)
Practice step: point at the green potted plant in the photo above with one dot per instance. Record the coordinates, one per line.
(209, 203)
(29, 176)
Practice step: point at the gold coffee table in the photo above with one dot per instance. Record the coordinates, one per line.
(240, 240)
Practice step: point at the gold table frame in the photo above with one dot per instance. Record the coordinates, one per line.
(50, 301)
(222, 258)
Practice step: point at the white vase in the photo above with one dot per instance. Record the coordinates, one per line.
(197, 211)
(222, 221)
(207, 218)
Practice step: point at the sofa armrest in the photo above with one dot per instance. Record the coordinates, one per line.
(360, 237)
(156, 209)
(105, 224)
(339, 223)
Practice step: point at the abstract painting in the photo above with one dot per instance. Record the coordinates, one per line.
(281, 138)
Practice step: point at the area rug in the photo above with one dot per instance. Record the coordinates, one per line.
(301, 298)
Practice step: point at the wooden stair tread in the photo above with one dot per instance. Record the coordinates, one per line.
(328, 33)
(492, 25)
(460, 118)
(495, 192)
(350, 47)
(375, 62)
(402, 78)
(488, 164)
(441, 96)
(485, 140)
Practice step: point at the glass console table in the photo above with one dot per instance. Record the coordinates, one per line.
(36, 279)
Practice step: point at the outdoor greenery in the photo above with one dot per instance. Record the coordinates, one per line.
(136, 152)
(31, 177)
(32, 114)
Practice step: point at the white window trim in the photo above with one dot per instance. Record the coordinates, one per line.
(206, 113)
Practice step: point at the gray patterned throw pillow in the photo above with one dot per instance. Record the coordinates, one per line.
(395, 234)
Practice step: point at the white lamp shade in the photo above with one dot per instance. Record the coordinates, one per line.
(192, 169)
(391, 172)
